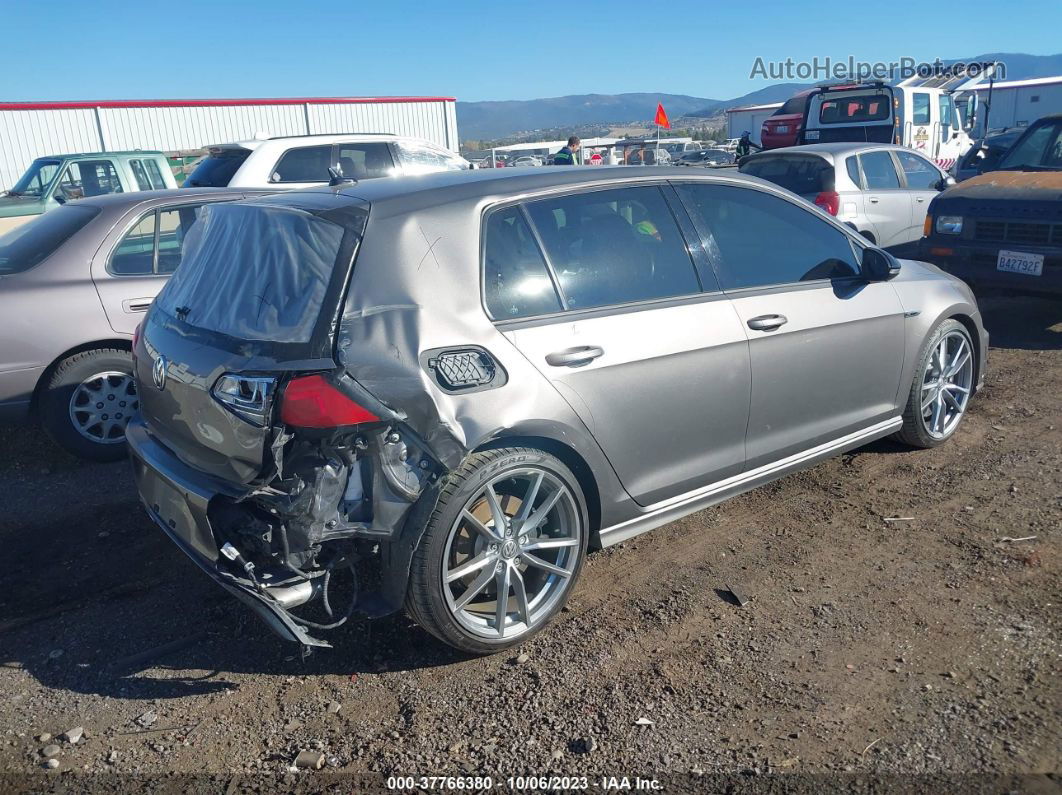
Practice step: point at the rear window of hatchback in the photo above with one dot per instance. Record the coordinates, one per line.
(801, 174)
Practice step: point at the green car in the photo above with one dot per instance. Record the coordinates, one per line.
(54, 180)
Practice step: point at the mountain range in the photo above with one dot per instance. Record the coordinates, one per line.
(495, 119)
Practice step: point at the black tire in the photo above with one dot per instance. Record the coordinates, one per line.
(426, 601)
(913, 432)
(55, 408)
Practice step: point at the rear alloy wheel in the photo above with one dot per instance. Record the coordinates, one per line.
(502, 550)
(88, 403)
(942, 387)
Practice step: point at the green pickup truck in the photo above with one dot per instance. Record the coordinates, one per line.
(54, 180)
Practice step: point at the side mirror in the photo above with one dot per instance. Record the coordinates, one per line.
(945, 182)
(878, 265)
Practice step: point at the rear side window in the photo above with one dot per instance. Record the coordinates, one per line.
(919, 172)
(257, 272)
(800, 174)
(879, 170)
(216, 170)
(852, 164)
(305, 164)
(142, 181)
(614, 247)
(154, 174)
(516, 282)
(33, 242)
(758, 240)
(155, 243)
(363, 161)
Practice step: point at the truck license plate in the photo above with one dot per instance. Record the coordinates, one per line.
(1020, 262)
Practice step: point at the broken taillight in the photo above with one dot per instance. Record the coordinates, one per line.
(829, 200)
(248, 397)
(310, 401)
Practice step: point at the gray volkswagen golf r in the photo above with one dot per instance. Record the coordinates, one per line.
(440, 392)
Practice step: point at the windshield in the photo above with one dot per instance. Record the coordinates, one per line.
(33, 242)
(255, 272)
(1040, 148)
(34, 183)
(799, 173)
(216, 170)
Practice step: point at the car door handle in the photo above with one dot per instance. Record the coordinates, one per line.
(574, 357)
(768, 322)
(920, 199)
(872, 199)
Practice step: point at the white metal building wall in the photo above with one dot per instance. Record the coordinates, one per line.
(1019, 103)
(29, 130)
(751, 118)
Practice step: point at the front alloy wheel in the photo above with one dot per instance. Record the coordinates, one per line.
(502, 550)
(942, 387)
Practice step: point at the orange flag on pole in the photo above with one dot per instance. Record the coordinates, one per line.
(661, 117)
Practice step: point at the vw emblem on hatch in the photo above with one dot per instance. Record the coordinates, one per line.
(158, 372)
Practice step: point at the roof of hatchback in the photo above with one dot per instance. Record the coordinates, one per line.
(510, 181)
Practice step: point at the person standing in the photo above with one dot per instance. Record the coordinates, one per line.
(745, 145)
(566, 156)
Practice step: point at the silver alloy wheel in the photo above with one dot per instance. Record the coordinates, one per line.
(102, 405)
(946, 384)
(511, 552)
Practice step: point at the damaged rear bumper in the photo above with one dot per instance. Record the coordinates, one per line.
(178, 497)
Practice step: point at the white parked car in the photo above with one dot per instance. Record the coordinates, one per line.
(303, 161)
(527, 160)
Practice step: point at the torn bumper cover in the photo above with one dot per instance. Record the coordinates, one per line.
(177, 497)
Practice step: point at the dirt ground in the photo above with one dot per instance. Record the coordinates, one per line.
(915, 654)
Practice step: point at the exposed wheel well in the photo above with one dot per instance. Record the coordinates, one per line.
(119, 343)
(572, 460)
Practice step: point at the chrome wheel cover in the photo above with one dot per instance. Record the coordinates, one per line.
(946, 384)
(511, 553)
(101, 406)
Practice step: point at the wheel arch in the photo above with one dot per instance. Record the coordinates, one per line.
(115, 343)
(572, 459)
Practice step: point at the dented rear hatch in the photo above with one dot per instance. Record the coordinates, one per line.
(256, 298)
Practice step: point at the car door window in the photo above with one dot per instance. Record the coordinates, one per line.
(756, 239)
(174, 225)
(363, 161)
(879, 171)
(614, 247)
(140, 175)
(516, 282)
(305, 164)
(155, 243)
(154, 174)
(919, 172)
(422, 158)
(135, 254)
(89, 178)
(920, 109)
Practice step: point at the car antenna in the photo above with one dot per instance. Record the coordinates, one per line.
(336, 179)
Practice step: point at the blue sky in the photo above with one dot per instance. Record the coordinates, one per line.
(57, 49)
